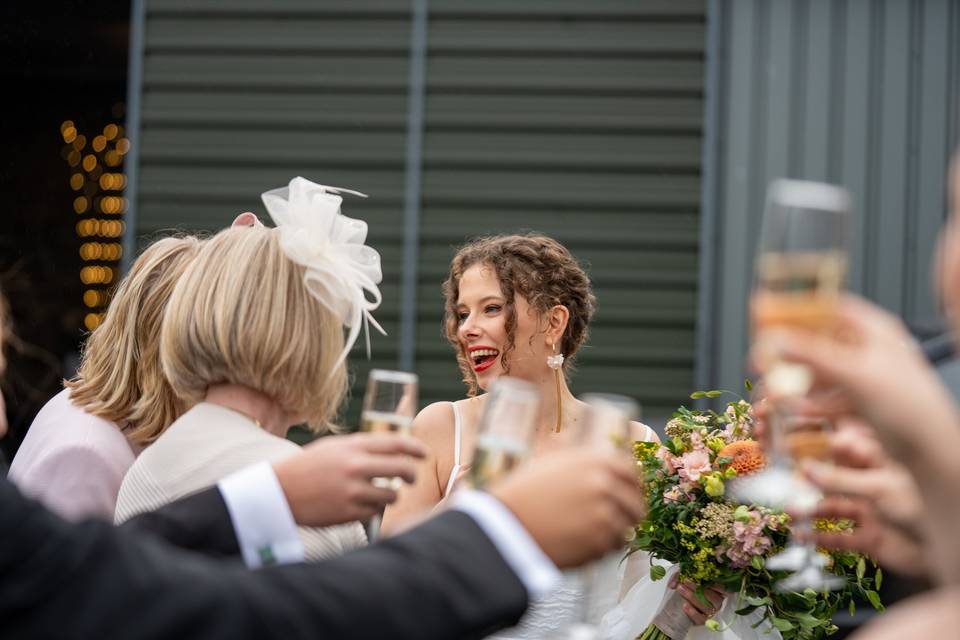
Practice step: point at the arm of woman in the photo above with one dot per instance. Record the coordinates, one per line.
(433, 426)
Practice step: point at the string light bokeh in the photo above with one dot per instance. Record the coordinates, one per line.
(99, 204)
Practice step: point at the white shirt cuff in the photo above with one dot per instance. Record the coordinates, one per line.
(536, 571)
(261, 517)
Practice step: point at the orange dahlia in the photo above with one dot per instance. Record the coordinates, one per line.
(747, 456)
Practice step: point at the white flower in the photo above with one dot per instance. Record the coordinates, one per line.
(556, 361)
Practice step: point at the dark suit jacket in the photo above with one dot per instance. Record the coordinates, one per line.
(443, 580)
(199, 522)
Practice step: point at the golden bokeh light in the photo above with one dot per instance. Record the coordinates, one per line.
(99, 144)
(113, 205)
(96, 275)
(111, 158)
(66, 124)
(89, 162)
(113, 181)
(123, 146)
(69, 134)
(110, 131)
(92, 320)
(93, 298)
(76, 181)
(80, 204)
(73, 158)
(90, 251)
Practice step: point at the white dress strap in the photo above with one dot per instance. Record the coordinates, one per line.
(456, 450)
(650, 435)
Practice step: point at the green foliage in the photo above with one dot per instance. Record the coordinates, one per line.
(670, 533)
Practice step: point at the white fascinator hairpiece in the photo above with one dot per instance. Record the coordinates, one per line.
(341, 271)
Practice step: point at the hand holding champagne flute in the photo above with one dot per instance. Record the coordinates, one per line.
(800, 270)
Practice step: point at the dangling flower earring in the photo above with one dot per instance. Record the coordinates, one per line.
(555, 362)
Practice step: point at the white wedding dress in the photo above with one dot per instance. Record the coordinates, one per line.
(626, 617)
(626, 600)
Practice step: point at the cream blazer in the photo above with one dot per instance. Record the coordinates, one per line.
(205, 444)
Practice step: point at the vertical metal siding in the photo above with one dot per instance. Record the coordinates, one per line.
(580, 120)
(849, 91)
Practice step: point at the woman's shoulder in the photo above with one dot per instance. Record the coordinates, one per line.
(61, 430)
(643, 433)
(435, 421)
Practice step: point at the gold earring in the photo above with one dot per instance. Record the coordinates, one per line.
(555, 362)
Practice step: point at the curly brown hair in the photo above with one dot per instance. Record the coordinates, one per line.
(539, 269)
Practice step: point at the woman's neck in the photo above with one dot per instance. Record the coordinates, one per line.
(253, 404)
(548, 408)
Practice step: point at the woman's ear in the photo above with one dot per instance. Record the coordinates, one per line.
(557, 318)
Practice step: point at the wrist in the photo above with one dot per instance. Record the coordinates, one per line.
(287, 485)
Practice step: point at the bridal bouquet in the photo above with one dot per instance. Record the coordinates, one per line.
(715, 540)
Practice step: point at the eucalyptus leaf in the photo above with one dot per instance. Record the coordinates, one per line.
(878, 578)
(861, 568)
(874, 599)
(696, 395)
(747, 384)
(808, 621)
(781, 624)
(713, 393)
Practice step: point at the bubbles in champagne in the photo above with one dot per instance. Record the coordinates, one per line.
(380, 422)
(494, 458)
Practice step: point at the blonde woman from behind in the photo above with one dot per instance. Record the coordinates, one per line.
(84, 439)
(250, 338)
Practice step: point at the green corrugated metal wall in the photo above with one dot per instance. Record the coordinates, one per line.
(578, 119)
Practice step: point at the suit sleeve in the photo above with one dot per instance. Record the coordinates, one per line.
(442, 580)
(199, 522)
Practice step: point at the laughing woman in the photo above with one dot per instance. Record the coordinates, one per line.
(513, 303)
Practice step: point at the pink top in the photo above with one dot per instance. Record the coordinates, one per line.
(72, 461)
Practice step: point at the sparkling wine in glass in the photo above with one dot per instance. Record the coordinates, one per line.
(389, 406)
(506, 430)
(800, 268)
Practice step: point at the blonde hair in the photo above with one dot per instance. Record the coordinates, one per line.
(242, 315)
(119, 378)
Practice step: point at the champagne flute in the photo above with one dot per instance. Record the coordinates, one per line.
(506, 430)
(604, 425)
(801, 437)
(800, 270)
(389, 406)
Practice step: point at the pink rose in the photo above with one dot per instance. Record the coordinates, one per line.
(668, 459)
(695, 464)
